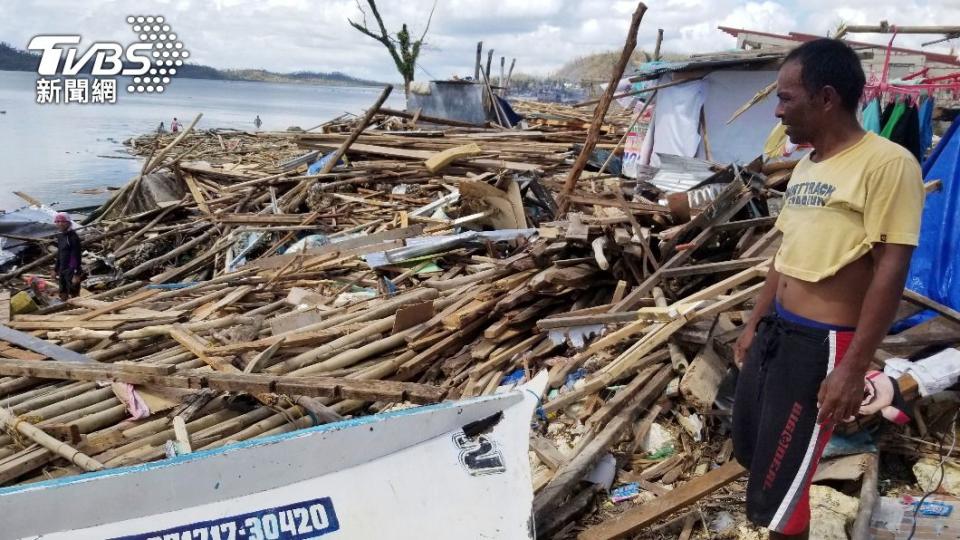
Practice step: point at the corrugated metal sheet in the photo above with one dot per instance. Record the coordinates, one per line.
(678, 173)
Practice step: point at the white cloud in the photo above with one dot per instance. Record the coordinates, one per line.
(288, 35)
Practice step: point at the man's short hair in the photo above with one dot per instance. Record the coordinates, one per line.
(830, 62)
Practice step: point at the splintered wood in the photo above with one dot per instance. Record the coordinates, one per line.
(268, 290)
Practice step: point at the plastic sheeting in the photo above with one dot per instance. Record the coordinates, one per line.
(677, 120)
(936, 261)
(726, 91)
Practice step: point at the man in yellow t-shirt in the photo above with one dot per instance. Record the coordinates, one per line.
(850, 221)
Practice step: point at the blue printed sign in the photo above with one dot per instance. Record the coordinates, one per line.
(299, 521)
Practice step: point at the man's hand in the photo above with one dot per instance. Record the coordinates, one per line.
(76, 279)
(742, 344)
(841, 394)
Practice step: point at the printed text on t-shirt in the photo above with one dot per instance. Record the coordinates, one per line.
(808, 193)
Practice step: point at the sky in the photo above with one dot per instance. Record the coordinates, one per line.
(313, 35)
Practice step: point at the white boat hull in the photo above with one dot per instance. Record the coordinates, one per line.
(409, 474)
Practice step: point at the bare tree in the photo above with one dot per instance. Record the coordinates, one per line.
(403, 51)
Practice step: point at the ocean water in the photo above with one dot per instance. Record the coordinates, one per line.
(51, 152)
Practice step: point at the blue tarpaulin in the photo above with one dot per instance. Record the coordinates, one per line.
(936, 261)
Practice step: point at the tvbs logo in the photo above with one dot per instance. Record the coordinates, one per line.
(150, 62)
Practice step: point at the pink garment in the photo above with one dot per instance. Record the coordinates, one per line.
(127, 393)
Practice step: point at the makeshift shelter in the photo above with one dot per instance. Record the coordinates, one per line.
(690, 118)
(458, 100)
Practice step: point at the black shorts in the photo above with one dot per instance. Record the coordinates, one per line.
(775, 431)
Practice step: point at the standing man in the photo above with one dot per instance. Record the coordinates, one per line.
(850, 221)
(175, 125)
(67, 267)
(257, 122)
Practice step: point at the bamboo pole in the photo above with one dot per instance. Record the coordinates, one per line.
(58, 447)
(593, 135)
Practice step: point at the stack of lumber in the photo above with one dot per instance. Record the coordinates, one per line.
(205, 326)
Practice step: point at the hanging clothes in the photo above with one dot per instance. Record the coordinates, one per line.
(891, 122)
(871, 116)
(887, 113)
(906, 131)
(926, 125)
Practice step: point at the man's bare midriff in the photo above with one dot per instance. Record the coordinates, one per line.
(835, 300)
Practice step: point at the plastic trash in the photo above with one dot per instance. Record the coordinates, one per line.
(723, 522)
(692, 425)
(308, 242)
(604, 471)
(317, 165)
(348, 298)
(22, 303)
(658, 442)
(625, 492)
(933, 374)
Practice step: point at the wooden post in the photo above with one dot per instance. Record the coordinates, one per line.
(868, 500)
(489, 59)
(502, 80)
(656, 50)
(593, 135)
(341, 150)
(513, 62)
(476, 66)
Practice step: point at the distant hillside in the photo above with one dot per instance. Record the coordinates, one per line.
(598, 67)
(13, 59)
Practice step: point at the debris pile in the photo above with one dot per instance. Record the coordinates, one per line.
(248, 285)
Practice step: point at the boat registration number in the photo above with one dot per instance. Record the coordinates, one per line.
(299, 521)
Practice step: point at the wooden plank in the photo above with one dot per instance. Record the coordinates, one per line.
(412, 315)
(547, 452)
(701, 380)
(633, 206)
(4, 306)
(278, 261)
(332, 387)
(40, 346)
(196, 193)
(292, 321)
(744, 224)
(440, 160)
(761, 244)
(422, 155)
(260, 219)
(182, 435)
(429, 119)
(64, 325)
(117, 305)
(712, 268)
(921, 300)
(20, 354)
(633, 520)
(30, 200)
(190, 341)
(234, 296)
(576, 230)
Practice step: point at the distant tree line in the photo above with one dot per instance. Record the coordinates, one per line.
(14, 59)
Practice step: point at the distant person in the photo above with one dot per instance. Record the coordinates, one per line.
(67, 265)
(161, 129)
(257, 122)
(175, 125)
